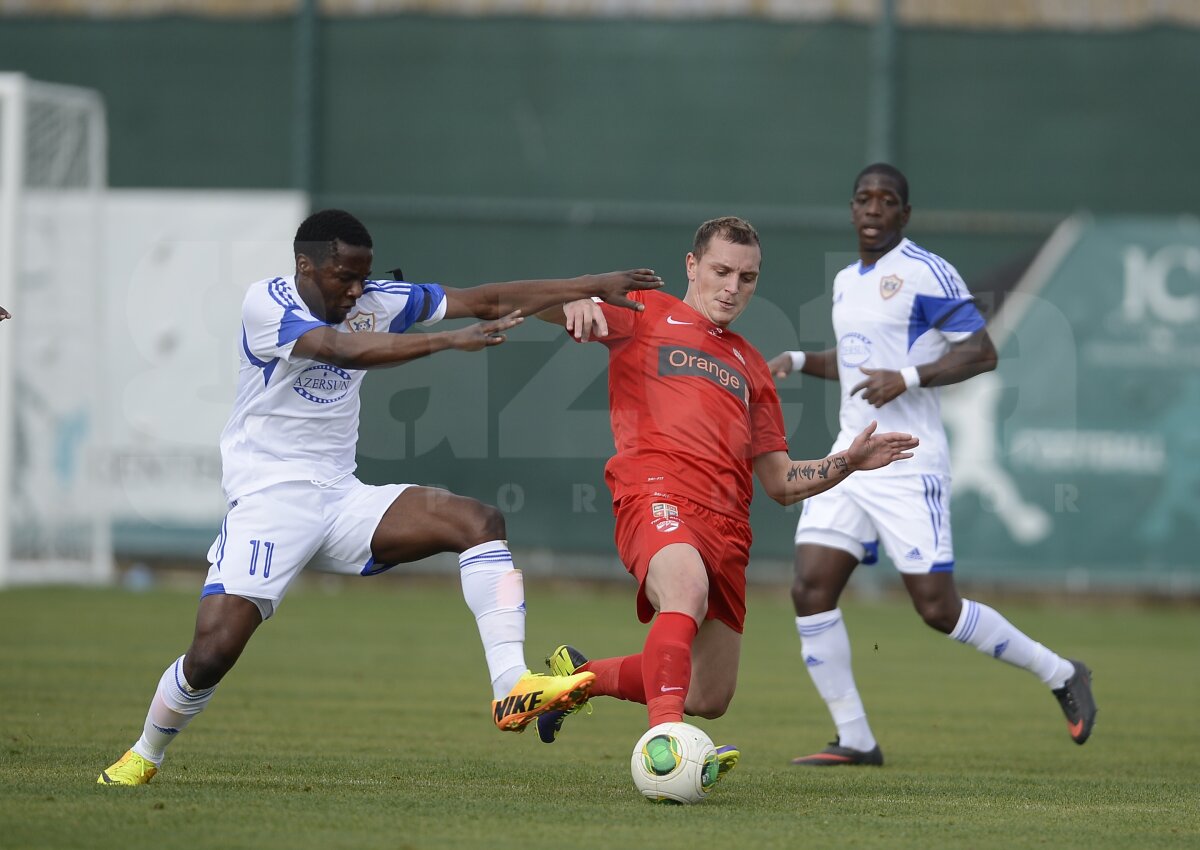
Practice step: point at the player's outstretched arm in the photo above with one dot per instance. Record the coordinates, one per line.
(492, 300)
(820, 364)
(788, 481)
(370, 351)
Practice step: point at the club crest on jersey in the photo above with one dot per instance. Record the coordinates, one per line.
(361, 322)
(890, 284)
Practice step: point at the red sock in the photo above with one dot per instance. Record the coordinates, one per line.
(619, 677)
(667, 665)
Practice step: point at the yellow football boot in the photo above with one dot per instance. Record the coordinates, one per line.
(563, 661)
(537, 693)
(129, 769)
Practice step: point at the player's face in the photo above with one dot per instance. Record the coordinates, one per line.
(878, 213)
(722, 280)
(338, 280)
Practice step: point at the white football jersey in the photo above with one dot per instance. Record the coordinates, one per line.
(296, 419)
(905, 310)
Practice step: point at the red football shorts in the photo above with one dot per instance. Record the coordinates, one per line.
(645, 524)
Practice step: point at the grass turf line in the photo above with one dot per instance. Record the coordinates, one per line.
(359, 718)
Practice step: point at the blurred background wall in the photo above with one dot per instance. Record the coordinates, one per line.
(495, 140)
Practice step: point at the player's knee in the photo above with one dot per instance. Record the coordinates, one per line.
(800, 596)
(708, 706)
(938, 614)
(809, 599)
(484, 523)
(207, 663)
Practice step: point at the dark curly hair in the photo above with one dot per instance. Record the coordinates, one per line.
(318, 234)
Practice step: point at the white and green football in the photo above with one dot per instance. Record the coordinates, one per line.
(674, 763)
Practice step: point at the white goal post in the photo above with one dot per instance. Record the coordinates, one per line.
(54, 523)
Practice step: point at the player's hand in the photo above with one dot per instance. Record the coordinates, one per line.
(4, 314)
(880, 387)
(484, 334)
(585, 319)
(611, 288)
(872, 451)
(781, 364)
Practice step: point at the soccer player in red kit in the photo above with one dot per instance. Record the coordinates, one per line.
(694, 416)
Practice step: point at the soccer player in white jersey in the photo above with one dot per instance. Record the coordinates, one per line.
(905, 325)
(288, 470)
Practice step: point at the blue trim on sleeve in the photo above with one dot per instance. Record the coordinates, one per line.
(295, 326)
(292, 326)
(948, 315)
(268, 366)
(423, 301)
(437, 295)
(965, 318)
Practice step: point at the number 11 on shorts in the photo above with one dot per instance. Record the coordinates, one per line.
(268, 548)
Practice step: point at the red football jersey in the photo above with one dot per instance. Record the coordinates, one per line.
(692, 405)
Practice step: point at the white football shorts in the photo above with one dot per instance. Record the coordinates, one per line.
(269, 536)
(908, 514)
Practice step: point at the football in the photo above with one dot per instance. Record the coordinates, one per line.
(674, 763)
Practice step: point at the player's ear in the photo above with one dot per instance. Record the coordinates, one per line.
(304, 264)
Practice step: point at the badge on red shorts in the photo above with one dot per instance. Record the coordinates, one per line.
(668, 516)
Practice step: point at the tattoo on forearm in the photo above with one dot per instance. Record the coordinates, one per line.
(805, 471)
(841, 463)
(823, 469)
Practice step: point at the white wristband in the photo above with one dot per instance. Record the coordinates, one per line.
(910, 376)
(798, 358)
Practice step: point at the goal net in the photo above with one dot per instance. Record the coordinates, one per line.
(53, 522)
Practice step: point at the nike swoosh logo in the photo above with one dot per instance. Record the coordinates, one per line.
(671, 321)
(666, 688)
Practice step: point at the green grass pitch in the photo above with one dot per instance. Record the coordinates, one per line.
(359, 718)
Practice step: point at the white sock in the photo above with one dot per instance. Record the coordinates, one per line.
(826, 649)
(495, 593)
(983, 628)
(175, 705)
